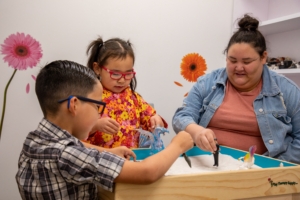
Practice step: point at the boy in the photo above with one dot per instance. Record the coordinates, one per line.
(54, 164)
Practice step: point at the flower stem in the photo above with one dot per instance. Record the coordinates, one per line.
(4, 101)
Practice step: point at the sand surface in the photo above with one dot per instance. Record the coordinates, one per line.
(204, 163)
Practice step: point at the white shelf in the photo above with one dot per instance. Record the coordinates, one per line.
(287, 71)
(281, 24)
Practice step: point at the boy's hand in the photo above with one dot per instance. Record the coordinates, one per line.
(107, 125)
(184, 140)
(155, 121)
(123, 152)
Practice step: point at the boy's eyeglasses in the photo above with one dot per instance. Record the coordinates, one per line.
(100, 105)
(118, 75)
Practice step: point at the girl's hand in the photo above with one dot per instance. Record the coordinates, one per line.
(123, 152)
(107, 125)
(155, 121)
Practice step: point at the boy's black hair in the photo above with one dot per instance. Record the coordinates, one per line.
(60, 79)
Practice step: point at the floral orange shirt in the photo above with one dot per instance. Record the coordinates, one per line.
(131, 112)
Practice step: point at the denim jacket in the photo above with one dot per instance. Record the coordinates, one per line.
(277, 109)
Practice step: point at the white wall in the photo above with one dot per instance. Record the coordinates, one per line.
(283, 44)
(162, 32)
(265, 9)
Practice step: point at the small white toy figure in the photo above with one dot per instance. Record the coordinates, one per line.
(152, 140)
(281, 164)
(248, 158)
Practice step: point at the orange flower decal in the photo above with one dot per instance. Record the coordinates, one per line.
(192, 66)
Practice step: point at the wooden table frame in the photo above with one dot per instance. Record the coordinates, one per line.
(280, 183)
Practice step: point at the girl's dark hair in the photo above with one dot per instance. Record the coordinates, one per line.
(248, 33)
(99, 51)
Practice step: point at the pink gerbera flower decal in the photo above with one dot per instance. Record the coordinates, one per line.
(20, 52)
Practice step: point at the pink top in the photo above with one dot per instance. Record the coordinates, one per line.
(234, 122)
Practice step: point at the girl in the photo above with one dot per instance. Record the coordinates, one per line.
(126, 110)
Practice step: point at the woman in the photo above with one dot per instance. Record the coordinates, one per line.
(245, 103)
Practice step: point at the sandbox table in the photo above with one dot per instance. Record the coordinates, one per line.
(271, 182)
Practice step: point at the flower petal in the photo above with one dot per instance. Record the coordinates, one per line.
(27, 88)
(177, 83)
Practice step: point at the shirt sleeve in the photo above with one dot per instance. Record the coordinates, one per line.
(82, 165)
(292, 139)
(189, 112)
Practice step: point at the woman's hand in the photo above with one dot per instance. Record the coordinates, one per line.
(204, 138)
(123, 152)
(107, 125)
(156, 121)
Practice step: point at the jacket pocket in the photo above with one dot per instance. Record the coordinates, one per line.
(282, 117)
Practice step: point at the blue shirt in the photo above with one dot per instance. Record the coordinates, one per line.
(277, 109)
(55, 165)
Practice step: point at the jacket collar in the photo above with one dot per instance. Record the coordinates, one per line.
(269, 88)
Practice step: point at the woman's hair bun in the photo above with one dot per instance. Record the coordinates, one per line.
(248, 23)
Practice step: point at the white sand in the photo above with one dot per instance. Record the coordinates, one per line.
(204, 163)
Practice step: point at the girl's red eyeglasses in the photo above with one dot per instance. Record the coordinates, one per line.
(118, 75)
